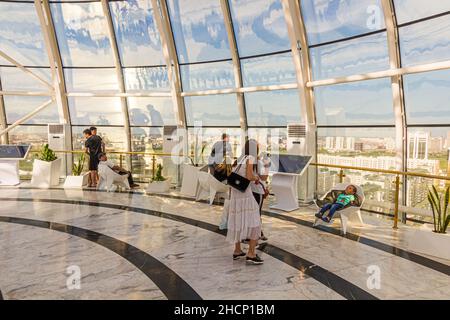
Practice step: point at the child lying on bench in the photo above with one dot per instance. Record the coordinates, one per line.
(343, 200)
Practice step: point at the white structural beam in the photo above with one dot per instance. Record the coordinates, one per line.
(26, 93)
(119, 71)
(300, 54)
(236, 66)
(396, 83)
(26, 70)
(3, 122)
(119, 94)
(54, 57)
(170, 55)
(27, 117)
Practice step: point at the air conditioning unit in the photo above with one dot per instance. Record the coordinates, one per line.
(296, 139)
(59, 139)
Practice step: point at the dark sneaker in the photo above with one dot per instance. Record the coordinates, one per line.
(326, 219)
(256, 260)
(134, 186)
(318, 215)
(263, 237)
(238, 256)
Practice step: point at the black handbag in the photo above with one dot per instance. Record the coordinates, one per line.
(237, 181)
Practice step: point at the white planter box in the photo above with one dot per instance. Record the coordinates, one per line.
(159, 187)
(46, 174)
(425, 241)
(76, 182)
(190, 180)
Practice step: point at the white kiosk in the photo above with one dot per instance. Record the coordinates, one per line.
(286, 170)
(10, 155)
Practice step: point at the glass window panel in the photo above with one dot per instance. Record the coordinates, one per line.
(15, 79)
(362, 147)
(425, 42)
(359, 103)
(329, 20)
(214, 110)
(146, 79)
(86, 80)
(17, 107)
(362, 55)
(199, 30)
(427, 97)
(207, 76)
(269, 70)
(204, 138)
(20, 34)
(410, 10)
(144, 139)
(260, 26)
(136, 32)
(81, 30)
(114, 138)
(271, 140)
(273, 108)
(151, 112)
(36, 136)
(89, 111)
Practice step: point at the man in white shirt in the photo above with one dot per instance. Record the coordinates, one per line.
(105, 162)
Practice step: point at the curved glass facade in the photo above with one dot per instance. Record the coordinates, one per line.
(129, 67)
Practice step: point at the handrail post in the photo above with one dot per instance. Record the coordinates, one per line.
(397, 199)
(121, 160)
(153, 166)
(341, 176)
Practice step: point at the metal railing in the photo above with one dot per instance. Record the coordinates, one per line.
(397, 181)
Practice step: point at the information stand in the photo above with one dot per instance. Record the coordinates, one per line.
(286, 171)
(10, 155)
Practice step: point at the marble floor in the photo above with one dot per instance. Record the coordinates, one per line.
(57, 244)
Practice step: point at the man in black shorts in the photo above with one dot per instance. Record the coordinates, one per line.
(93, 147)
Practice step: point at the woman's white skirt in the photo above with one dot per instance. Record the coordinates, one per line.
(244, 221)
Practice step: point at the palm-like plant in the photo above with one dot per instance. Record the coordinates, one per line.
(439, 207)
(77, 168)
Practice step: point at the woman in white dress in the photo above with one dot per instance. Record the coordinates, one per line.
(244, 221)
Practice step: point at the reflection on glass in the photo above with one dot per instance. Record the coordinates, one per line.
(362, 55)
(89, 111)
(329, 20)
(81, 30)
(201, 141)
(114, 138)
(269, 70)
(427, 97)
(214, 110)
(271, 140)
(410, 10)
(85, 80)
(207, 76)
(20, 34)
(359, 103)
(136, 32)
(15, 79)
(156, 112)
(199, 30)
(366, 148)
(273, 108)
(17, 107)
(425, 42)
(260, 26)
(146, 79)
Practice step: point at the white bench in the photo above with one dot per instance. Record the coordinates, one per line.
(209, 187)
(110, 180)
(352, 213)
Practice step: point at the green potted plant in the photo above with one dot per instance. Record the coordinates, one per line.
(77, 180)
(433, 239)
(46, 169)
(159, 183)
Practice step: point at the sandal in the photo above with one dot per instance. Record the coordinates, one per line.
(240, 255)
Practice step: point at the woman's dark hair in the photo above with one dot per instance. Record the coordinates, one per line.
(252, 149)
